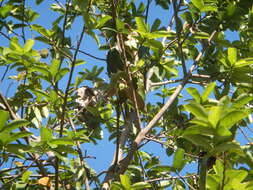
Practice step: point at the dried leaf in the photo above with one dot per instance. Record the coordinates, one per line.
(45, 181)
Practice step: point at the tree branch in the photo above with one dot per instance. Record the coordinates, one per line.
(141, 136)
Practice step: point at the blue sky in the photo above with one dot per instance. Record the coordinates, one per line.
(104, 150)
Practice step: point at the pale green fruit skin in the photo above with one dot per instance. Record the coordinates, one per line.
(44, 53)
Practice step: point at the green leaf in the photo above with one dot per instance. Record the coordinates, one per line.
(201, 35)
(155, 25)
(125, 181)
(214, 115)
(243, 62)
(199, 140)
(212, 182)
(4, 115)
(223, 131)
(46, 134)
(25, 176)
(199, 130)
(232, 55)
(61, 141)
(232, 118)
(28, 45)
(208, 8)
(219, 167)
(194, 93)
(239, 175)
(140, 185)
(242, 100)
(120, 25)
(116, 186)
(178, 160)
(15, 124)
(210, 87)
(157, 34)
(162, 168)
(5, 10)
(17, 136)
(14, 45)
(41, 69)
(39, 2)
(141, 26)
(17, 149)
(198, 3)
(60, 74)
(102, 21)
(54, 67)
(197, 110)
(200, 122)
(160, 34)
(42, 30)
(227, 146)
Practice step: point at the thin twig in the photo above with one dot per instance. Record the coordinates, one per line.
(183, 179)
(5, 35)
(163, 143)
(147, 11)
(244, 134)
(5, 72)
(23, 21)
(171, 178)
(165, 82)
(178, 32)
(88, 54)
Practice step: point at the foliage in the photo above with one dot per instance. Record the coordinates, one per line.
(61, 101)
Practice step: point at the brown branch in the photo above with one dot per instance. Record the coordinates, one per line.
(141, 136)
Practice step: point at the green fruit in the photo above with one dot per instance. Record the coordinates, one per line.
(44, 53)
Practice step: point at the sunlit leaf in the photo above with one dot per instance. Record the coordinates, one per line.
(197, 110)
(194, 93)
(125, 181)
(4, 115)
(178, 160)
(141, 26)
(28, 45)
(141, 185)
(102, 21)
(232, 55)
(209, 88)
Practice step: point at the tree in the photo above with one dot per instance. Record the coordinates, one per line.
(58, 104)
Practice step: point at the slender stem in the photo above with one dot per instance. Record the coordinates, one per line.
(147, 10)
(23, 21)
(171, 178)
(178, 31)
(88, 54)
